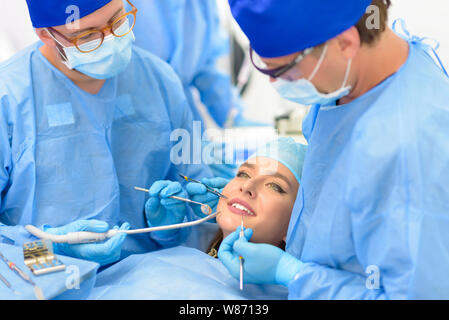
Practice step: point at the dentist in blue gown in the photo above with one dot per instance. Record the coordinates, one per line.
(371, 219)
(85, 116)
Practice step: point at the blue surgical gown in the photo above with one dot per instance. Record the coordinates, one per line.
(371, 220)
(187, 34)
(66, 154)
(176, 273)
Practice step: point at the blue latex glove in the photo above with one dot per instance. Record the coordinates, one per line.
(102, 252)
(198, 192)
(160, 210)
(263, 263)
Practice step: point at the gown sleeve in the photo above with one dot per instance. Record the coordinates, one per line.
(16, 235)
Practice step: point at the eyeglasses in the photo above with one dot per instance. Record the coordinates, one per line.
(96, 37)
(278, 72)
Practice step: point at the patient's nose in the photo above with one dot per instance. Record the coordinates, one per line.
(248, 188)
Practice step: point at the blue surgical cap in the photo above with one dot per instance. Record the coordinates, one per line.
(277, 28)
(51, 13)
(286, 151)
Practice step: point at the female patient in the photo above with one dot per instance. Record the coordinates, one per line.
(262, 194)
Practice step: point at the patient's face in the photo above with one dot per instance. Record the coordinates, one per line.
(263, 192)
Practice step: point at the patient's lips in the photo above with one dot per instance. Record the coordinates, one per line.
(240, 207)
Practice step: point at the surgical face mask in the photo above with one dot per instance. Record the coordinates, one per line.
(303, 91)
(109, 60)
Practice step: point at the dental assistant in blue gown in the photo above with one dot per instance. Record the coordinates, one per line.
(371, 218)
(84, 118)
(187, 34)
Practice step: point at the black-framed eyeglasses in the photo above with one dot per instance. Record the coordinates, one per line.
(277, 72)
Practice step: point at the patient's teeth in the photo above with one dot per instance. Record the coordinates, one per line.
(241, 207)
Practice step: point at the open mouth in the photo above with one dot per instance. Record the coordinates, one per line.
(240, 207)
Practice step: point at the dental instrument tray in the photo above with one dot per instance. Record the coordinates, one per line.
(40, 259)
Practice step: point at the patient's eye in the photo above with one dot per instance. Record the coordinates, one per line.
(275, 187)
(242, 174)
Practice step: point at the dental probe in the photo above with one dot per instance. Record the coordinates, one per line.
(6, 282)
(206, 209)
(242, 234)
(37, 290)
(207, 187)
(89, 237)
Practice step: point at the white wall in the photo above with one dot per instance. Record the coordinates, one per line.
(16, 31)
(425, 19)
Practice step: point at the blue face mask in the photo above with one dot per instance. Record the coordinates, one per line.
(107, 61)
(303, 91)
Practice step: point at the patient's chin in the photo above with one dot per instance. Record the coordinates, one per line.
(226, 221)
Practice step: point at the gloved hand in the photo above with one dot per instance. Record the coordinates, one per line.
(263, 263)
(103, 252)
(160, 210)
(198, 192)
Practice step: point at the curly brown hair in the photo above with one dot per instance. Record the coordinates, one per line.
(369, 34)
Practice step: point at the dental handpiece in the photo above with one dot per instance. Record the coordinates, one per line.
(90, 237)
